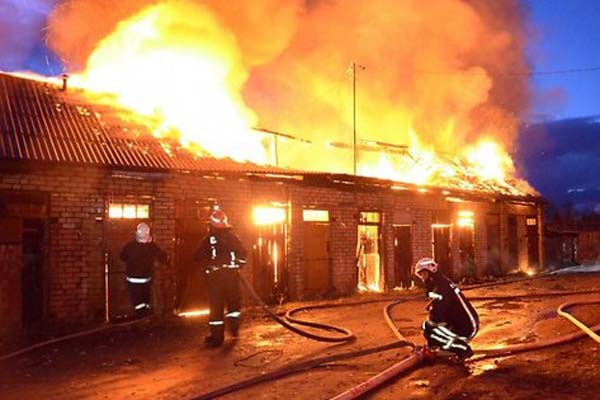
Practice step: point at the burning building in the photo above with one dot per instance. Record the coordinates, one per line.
(159, 120)
(76, 179)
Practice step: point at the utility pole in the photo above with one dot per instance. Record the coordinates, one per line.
(353, 67)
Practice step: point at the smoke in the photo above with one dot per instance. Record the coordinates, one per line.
(21, 29)
(436, 72)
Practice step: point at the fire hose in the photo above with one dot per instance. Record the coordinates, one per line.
(413, 360)
(105, 327)
(416, 358)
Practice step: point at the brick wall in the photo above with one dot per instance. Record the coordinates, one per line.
(77, 219)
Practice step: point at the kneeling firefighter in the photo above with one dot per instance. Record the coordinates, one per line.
(453, 321)
(221, 254)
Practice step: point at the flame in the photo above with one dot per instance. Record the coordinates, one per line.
(205, 73)
(187, 83)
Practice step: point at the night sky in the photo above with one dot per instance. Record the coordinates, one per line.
(558, 149)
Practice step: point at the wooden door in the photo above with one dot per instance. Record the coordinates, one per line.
(513, 243)
(533, 243)
(493, 244)
(466, 250)
(269, 263)
(441, 249)
(317, 259)
(403, 256)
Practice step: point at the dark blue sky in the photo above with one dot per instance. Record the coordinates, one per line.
(565, 34)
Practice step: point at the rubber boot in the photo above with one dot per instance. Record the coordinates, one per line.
(217, 335)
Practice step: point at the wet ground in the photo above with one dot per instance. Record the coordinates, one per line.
(167, 361)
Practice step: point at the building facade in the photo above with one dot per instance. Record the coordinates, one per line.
(73, 188)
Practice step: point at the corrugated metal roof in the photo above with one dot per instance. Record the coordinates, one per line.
(39, 122)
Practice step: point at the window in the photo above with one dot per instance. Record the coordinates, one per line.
(128, 211)
(531, 221)
(466, 219)
(315, 215)
(369, 217)
(268, 215)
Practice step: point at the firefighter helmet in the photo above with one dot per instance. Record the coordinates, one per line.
(218, 219)
(142, 233)
(426, 264)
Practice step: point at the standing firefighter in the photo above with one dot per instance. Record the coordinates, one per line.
(139, 256)
(453, 321)
(221, 254)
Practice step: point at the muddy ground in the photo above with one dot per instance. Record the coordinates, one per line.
(158, 360)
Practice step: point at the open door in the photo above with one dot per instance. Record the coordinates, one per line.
(120, 230)
(368, 253)
(513, 243)
(494, 265)
(191, 291)
(317, 260)
(403, 256)
(269, 260)
(441, 248)
(269, 270)
(533, 242)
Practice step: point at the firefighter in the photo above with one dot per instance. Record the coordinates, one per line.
(221, 254)
(453, 321)
(139, 256)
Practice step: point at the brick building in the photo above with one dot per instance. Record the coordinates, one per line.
(73, 186)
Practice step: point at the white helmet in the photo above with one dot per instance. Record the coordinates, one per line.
(142, 233)
(426, 264)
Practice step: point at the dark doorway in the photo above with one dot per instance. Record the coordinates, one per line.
(191, 291)
(317, 260)
(269, 260)
(533, 243)
(403, 256)
(493, 244)
(513, 243)
(32, 282)
(441, 248)
(119, 233)
(466, 250)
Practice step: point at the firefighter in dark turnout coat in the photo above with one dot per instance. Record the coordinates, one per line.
(139, 256)
(221, 254)
(453, 321)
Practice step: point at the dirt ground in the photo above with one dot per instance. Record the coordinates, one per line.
(158, 360)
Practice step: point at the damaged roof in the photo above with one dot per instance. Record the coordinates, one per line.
(39, 122)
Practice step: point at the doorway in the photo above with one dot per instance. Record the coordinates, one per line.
(269, 260)
(513, 242)
(191, 293)
(317, 259)
(120, 230)
(441, 248)
(403, 256)
(533, 243)
(32, 281)
(493, 244)
(368, 254)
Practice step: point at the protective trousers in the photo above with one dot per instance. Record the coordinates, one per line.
(141, 297)
(439, 335)
(223, 291)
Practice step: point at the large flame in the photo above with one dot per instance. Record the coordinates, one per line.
(186, 78)
(207, 71)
